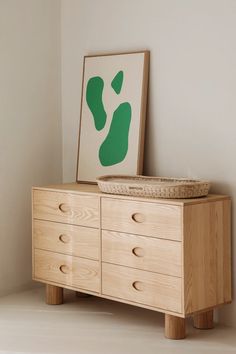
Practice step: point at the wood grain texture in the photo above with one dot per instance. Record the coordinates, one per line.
(67, 239)
(109, 297)
(145, 253)
(32, 233)
(143, 110)
(63, 269)
(143, 218)
(207, 255)
(174, 327)
(172, 256)
(142, 287)
(74, 187)
(203, 320)
(92, 189)
(67, 208)
(54, 295)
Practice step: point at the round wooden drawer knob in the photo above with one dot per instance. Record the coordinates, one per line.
(64, 269)
(138, 251)
(64, 238)
(138, 285)
(64, 208)
(138, 217)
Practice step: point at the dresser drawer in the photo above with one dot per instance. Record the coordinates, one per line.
(144, 218)
(143, 287)
(66, 270)
(68, 239)
(66, 208)
(146, 253)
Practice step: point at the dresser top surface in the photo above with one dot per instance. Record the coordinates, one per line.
(84, 188)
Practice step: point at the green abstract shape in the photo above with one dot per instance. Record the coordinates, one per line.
(115, 147)
(94, 92)
(117, 82)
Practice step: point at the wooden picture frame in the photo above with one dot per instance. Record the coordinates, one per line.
(112, 115)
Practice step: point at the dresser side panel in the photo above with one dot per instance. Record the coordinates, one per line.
(207, 255)
(32, 231)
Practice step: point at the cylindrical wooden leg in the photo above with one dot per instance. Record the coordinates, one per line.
(54, 295)
(174, 327)
(81, 295)
(203, 320)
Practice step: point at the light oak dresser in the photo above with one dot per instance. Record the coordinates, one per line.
(171, 256)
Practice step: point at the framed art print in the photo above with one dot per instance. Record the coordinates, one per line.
(112, 118)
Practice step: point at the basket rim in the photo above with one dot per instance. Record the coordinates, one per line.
(184, 181)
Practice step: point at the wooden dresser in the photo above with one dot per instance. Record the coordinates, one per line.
(171, 256)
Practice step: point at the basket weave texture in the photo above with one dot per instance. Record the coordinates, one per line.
(153, 187)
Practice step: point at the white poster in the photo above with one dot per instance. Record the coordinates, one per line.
(112, 115)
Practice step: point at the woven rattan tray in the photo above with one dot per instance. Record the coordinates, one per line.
(153, 187)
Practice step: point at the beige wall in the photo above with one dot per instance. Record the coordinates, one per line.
(191, 122)
(30, 128)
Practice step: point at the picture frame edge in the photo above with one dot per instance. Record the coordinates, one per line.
(81, 101)
(146, 53)
(143, 113)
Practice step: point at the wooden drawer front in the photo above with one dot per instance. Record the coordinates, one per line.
(68, 239)
(67, 208)
(67, 270)
(150, 219)
(146, 288)
(152, 254)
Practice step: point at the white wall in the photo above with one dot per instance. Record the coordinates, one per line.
(191, 123)
(30, 128)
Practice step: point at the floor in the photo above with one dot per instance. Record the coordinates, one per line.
(96, 326)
